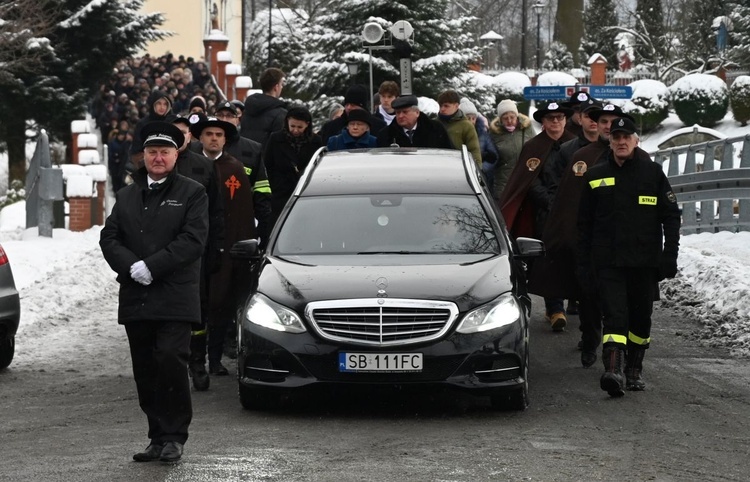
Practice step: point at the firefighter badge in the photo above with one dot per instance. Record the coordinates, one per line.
(580, 168)
(533, 163)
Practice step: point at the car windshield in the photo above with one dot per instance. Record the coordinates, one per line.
(387, 224)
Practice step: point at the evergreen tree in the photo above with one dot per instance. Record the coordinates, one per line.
(599, 37)
(558, 58)
(650, 46)
(739, 47)
(85, 41)
(442, 47)
(697, 40)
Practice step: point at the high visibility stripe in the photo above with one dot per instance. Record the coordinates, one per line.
(638, 340)
(650, 200)
(248, 170)
(262, 186)
(610, 338)
(199, 332)
(604, 182)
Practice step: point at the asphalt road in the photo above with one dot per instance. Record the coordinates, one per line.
(68, 419)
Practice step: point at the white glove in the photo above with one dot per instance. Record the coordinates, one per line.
(140, 273)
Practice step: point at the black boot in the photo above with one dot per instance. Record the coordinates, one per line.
(633, 369)
(612, 380)
(197, 364)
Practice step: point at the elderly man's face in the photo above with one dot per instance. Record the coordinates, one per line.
(213, 140)
(159, 160)
(407, 117)
(623, 144)
(554, 124)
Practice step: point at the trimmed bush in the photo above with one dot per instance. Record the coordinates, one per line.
(739, 98)
(510, 85)
(700, 99)
(649, 105)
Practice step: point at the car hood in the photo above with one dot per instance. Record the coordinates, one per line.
(468, 284)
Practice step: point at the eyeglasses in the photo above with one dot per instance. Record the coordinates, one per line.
(225, 115)
(555, 118)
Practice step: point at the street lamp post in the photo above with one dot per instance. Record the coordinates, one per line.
(353, 67)
(524, 27)
(538, 7)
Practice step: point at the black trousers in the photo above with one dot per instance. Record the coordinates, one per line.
(627, 301)
(160, 351)
(590, 315)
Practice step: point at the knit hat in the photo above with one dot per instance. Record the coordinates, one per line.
(506, 105)
(357, 95)
(360, 115)
(197, 101)
(467, 107)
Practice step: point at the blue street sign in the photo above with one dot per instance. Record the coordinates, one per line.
(545, 93)
(563, 92)
(610, 91)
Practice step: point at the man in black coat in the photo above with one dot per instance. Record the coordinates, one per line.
(154, 240)
(413, 128)
(264, 113)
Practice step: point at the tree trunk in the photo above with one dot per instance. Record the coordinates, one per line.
(15, 128)
(569, 25)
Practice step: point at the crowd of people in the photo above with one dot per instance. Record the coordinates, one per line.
(607, 215)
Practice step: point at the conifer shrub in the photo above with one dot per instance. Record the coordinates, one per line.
(649, 105)
(701, 99)
(739, 98)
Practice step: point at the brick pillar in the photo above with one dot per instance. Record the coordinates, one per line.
(599, 71)
(232, 72)
(99, 210)
(214, 43)
(242, 84)
(83, 142)
(77, 127)
(80, 213)
(223, 59)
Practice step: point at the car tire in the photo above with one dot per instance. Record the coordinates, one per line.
(254, 398)
(7, 350)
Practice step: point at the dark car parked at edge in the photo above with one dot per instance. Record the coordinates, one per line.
(10, 311)
(392, 267)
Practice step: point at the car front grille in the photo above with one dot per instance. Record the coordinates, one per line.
(381, 321)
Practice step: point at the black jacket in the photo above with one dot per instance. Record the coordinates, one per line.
(429, 133)
(199, 168)
(137, 144)
(625, 214)
(285, 163)
(263, 115)
(167, 228)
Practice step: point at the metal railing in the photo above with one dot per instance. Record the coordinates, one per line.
(712, 199)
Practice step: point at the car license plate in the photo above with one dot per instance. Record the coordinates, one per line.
(380, 362)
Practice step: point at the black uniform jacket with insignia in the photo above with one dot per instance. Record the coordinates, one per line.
(552, 275)
(167, 228)
(518, 209)
(628, 214)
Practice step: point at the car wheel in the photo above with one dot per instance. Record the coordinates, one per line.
(7, 350)
(254, 398)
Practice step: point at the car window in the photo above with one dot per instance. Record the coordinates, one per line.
(408, 224)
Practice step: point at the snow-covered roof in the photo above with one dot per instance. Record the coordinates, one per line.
(491, 35)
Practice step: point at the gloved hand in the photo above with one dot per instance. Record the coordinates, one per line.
(667, 266)
(140, 273)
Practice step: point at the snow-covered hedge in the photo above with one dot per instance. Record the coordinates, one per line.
(700, 99)
(649, 104)
(739, 97)
(510, 85)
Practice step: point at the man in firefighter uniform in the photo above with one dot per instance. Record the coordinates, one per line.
(239, 224)
(629, 225)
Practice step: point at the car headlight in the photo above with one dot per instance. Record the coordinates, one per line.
(264, 312)
(500, 312)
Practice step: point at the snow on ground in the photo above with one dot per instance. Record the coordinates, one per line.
(69, 293)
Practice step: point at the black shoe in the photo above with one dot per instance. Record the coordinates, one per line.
(198, 373)
(152, 452)
(588, 358)
(172, 452)
(572, 307)
(612, 380)
(216, 368)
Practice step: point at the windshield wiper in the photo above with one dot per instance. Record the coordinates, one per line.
(398, 252)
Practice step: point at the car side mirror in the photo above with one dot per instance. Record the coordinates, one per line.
(529, 248)
(245, 249)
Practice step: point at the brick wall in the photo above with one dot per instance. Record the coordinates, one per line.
(80, 213)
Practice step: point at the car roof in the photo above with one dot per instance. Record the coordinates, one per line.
(388, 171)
